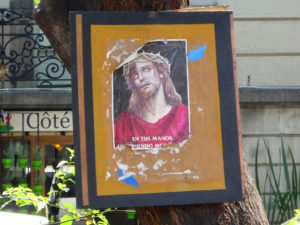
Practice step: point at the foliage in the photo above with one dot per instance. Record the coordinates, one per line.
(22, 180)
(8, 177)
(9, 151)
(281, 203)
(39, 180)
(25, 197)
(38, 153)
(65, 176)
(21, 150)
(295, 220)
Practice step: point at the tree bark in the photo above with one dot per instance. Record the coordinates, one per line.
(53, 18)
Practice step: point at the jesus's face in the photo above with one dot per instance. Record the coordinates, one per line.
(145, 78)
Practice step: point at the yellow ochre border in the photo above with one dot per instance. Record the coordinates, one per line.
(81, 107)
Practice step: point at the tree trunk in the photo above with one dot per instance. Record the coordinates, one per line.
(53, 18)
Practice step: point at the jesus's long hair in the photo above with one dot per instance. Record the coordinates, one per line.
(163, 67)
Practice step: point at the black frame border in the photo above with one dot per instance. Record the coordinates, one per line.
(228, 107)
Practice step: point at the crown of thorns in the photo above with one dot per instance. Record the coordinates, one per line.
(144, 56)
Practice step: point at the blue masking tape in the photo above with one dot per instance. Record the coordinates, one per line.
(129, 180)
(196, 54)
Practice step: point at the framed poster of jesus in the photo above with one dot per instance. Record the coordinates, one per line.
(155, 108)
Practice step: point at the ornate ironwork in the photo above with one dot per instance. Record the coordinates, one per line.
(25, 53)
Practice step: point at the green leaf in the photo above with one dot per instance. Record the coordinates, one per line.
(59, 174)
(256, 168)
(69, 206)
(72, 169)
(70, 150)
(61, 163)
(25, 202)
(67, 218)
(50, 192)
(61, 186)
(292, 223)
(71, 180)
(294, 179)
(285, 165)
(103, 219)
(66, 189)
(40, 206)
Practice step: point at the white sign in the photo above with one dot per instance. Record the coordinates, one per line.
(34, 120)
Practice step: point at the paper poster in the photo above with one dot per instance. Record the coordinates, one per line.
(160, 108)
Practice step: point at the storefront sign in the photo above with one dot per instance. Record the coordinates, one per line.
(34, 120)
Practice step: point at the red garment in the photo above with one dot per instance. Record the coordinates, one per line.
(131, 130)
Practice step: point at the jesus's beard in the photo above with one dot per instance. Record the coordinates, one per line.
(149, 91)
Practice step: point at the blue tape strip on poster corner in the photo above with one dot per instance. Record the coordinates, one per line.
(197, 54)
(129, 180)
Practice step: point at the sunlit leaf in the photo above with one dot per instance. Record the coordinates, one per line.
(40, 206)
(59, 174)
(69, 206)
(61, 163)
(61, 186)
(292, 223)
(72, 169)
(67, 218)
(71, 180)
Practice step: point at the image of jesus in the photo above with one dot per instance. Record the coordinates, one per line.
(155, 115)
